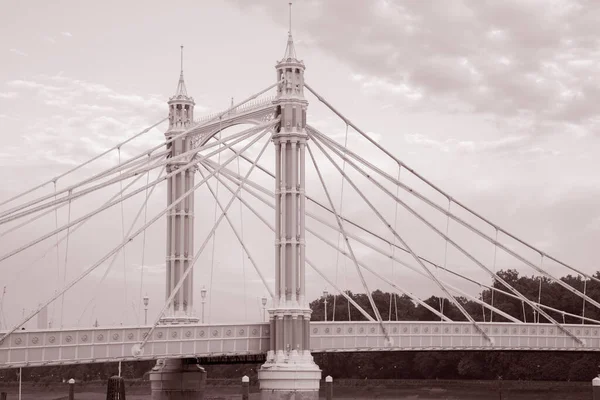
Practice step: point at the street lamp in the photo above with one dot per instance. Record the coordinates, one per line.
(325, 294)
(264, 304)
(203, 295)
(146, 301)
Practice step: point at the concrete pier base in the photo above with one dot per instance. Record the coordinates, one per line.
(177, 379)
(289, 379)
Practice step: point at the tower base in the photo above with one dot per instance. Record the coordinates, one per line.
(177, 379)
(289, 379)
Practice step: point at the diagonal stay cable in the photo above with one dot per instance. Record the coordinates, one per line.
(184, 167)
(330, 143)
(11, 214)
(58, 241)
(165, 143)
(453, 243)
(120, 246)
(114, 259)
(237, 234)
(376, 249)
(402, 241)
(137, 349)
(348, 246)
(523, 242)
(393, 257)
(56, 178)
(57, 207)
(272, 228)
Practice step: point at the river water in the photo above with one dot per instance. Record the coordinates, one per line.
(341, 393)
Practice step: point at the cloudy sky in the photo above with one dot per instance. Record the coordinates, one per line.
(495, 102)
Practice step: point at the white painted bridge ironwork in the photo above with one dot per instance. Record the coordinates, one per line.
(75, 346)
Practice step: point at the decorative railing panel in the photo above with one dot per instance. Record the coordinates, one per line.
(74, 346)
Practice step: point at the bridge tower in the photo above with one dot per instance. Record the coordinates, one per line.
(180, 220)
(179, 379)
(290, 371)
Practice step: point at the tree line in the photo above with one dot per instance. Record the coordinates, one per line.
(518, 365)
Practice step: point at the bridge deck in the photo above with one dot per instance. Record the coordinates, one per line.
(74, 346)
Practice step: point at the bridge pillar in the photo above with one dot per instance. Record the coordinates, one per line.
(290, 372)
(177, 379)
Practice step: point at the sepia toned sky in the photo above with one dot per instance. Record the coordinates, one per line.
(495, 102)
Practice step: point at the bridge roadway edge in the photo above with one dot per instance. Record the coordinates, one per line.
(73, 346)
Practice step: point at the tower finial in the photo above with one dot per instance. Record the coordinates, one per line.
(290, 51)
(290, 30)
(181, 89)
(182, 59)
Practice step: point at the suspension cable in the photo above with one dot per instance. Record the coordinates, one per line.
(175, 137)
(445, 254)
(56, 245)
(130, 238)
(337, 258)
(53, 180)
(462, 250)
(138, 349)
(62, 300)
(364, 283)
(363, 134)
(248, 133)
(272, 228)
(540, 290)
(229, 175)
(144, 244)
(57, 253)
(144, 207)
(583, 306)
(242, 245)
(393, 245)
(238, 235)
(402, 241)
(494, 278)
(124, 317)
(214, 237)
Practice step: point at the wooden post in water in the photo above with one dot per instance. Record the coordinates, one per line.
(329, 387)
(596, 388)
(115, 389)
(71, 389)
(245, 387)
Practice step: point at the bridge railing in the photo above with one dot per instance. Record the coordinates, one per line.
(248, 107)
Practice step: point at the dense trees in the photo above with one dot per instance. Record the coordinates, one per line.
(469, 365)
(521, 365)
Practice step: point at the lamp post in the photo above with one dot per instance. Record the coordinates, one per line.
(203, 295)
(325, 294)
(146, 301)
(264, 304)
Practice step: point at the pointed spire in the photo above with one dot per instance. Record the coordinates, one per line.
(181, 89)
(290, 50)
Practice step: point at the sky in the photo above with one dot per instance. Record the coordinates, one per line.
(494, 102)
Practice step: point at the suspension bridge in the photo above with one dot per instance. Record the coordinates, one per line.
(198, 151)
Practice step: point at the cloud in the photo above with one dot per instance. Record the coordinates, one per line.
(49, 39)
(495, 58)
(87, 118)
(8, 95)
(18, 52)
(66, 34)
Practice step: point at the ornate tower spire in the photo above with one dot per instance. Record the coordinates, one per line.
(181, 106)
(290, 50)
(181, 89)
(180, 227)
